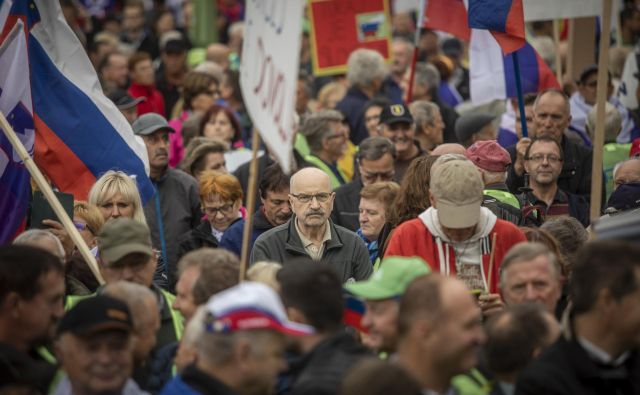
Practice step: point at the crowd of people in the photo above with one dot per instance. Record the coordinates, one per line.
(418, 245)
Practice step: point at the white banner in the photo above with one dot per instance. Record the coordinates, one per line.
(542, 10)
(269, 71)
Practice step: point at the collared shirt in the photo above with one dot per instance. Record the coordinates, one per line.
(601, 356)
(314, 251)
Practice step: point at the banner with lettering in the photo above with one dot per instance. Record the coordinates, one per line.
(269, 71)
(340, 26)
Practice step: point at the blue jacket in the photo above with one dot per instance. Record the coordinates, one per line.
(193, 381)
(232, 237)
(352, 106)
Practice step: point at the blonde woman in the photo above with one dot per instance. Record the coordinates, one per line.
(116, 195)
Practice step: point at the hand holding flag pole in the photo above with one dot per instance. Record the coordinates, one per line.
(48, 193)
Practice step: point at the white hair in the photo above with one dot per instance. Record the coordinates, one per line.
(32, 238)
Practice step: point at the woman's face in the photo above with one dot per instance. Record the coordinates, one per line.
(219, 126)
(202, 102)
(220, 213)
(116, 207)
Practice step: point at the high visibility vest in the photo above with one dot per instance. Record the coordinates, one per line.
(317, 162)
(504, 197)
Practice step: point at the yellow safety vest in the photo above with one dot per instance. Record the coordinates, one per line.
(317, 162)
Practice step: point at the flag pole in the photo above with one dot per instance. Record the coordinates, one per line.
(51, 197)
(601, 100)
(414, 60)
(523, 118)
(251, 197)
(556, 38)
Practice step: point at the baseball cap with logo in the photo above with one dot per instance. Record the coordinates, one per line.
(123, 236)
(149, 123)
(250, 306)
(457, 188)
(489, 156)
(96, 314)
(391, 280)
(395, 113)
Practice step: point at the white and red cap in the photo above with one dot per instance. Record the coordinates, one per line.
(251, 306)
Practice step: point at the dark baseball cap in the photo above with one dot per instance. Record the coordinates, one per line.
(123, 100)
(150, 123)
(395, 113)
(96, 314)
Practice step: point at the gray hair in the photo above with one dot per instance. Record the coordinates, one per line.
(219, 270)
(32, 237)
(364, 67)
(317, 127)
(493, 177)
(528, 251)
(375, 147)
(423, 112)
(132, 295)
(612, 122)
(427, 74)
(620, 164)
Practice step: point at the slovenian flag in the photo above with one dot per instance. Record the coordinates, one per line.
(79, 133)
(503, 18)
(15, 104)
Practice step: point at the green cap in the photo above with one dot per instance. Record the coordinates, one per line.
(123, 236)
(391, 280)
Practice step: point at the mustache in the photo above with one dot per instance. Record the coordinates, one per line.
(161, 151)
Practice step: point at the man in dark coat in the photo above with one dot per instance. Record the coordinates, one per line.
(598, 351)
(375, 160)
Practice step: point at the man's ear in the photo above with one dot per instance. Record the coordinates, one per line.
(432, 200)
(11, 304)
(242, 351)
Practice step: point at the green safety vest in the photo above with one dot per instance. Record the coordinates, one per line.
(176, 317)
(317, 162)
(504, 197)
(471, 383)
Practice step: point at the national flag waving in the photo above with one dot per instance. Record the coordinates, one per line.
(492, 75)
(15, 104)
(503, 18)
(79, 133)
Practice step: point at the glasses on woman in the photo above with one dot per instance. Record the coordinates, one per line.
(82, 226)
(212, 211)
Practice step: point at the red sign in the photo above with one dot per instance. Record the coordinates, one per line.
(340, 26)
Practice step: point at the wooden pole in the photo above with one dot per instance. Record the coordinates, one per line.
(51, 197)
(491, 264)
(556, 38)
(414, 59)
(251, 197)
(598, 140)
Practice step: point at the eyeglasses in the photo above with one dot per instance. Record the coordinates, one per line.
(382, 176)
(540, 158)
(212, 211)
(320, 197)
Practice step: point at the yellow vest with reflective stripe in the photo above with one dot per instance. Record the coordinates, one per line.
(317, 162)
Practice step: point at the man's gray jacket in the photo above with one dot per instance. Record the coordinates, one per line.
(345, 251)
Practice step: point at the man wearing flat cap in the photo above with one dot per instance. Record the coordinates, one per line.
(475, 127)
(127, 105)
(175, 208)
(95, 349)
(493, 161)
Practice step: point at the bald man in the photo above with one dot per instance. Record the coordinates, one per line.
(311, 233)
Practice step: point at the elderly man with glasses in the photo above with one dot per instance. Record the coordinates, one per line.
(311, 233)
(543, 162)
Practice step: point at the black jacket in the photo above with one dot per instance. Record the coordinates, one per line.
(321, 371)
(345, 251)
(575, 176)
(566, 368)
(346, 205)
(198, 237)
